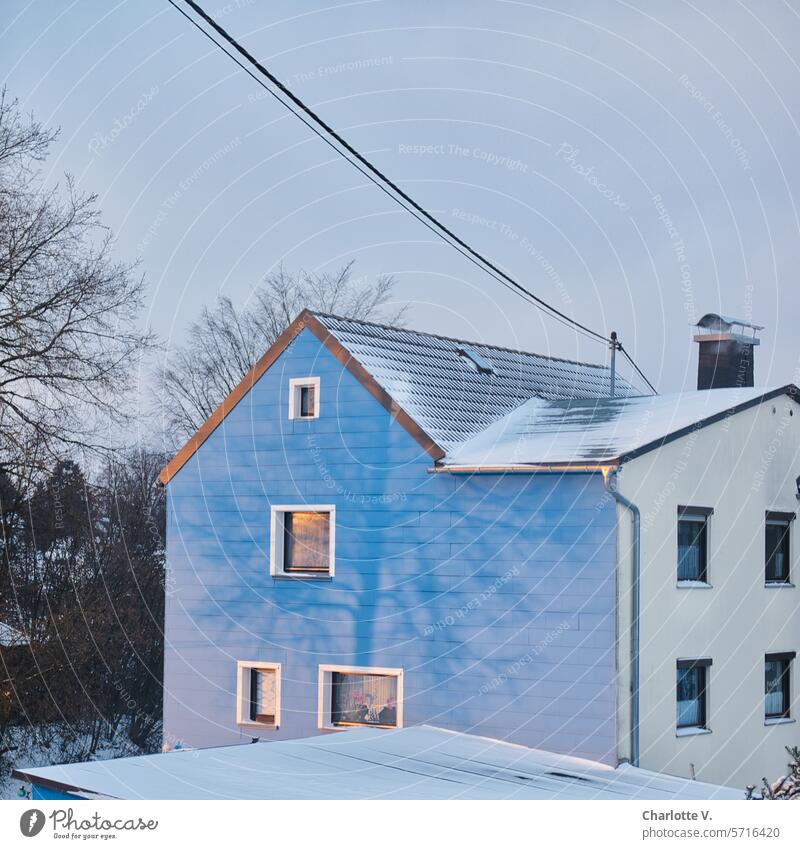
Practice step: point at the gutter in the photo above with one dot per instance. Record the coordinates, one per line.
(610, 482)
(579, 468)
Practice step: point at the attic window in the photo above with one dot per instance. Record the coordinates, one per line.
(304, 398)
(477, 360)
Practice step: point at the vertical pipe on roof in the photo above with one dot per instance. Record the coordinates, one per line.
(610, 481)
(614, 345)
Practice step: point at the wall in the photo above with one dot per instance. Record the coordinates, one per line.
(46, 794)
(741, 467)
(494, 593)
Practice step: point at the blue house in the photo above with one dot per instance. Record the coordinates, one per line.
(326, 568)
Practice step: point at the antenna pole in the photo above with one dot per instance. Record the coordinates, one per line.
(613, 344)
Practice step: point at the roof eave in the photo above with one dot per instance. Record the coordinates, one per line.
(604, 467)
(51, 784)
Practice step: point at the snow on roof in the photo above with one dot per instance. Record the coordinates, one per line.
(715, 321)
(599, 430)
(411, 763)
(453, 395)
(10, 636)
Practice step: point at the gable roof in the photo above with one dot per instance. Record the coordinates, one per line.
(419, 762)
(602, 430)
(440, 396)
(446, 393)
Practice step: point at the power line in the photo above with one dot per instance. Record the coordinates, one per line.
(371, 172)
(638, 370)
(521, 292)
(420, 210)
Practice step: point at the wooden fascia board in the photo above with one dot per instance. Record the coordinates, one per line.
(372, 386)
(304, 321)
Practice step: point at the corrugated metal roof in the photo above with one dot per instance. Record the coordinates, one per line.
(446, 393)
(368, 763)
(547, 432)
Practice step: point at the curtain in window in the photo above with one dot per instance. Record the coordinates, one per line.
(774, 704)
(689, 697)
(363, 699)
(306, 541)
(691, 554)
(777, 551)
(307, 401)
(262, 695)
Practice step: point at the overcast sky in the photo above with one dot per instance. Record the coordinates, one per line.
(634, 163)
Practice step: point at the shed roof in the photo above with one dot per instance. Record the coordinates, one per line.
(366, 763)
(600, 430)
(10, 636)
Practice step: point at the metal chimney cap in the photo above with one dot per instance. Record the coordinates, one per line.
(723, 323)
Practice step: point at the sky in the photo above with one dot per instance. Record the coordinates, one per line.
(635, 164)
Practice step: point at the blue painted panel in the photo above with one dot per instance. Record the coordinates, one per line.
(45, 794)
(495, 594)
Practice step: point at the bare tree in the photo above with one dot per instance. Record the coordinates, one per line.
(68, 312)
(225, 342)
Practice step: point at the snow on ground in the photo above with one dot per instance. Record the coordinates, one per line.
(54, 744)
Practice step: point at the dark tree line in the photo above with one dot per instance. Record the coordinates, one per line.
(81, 555)
(82, 577)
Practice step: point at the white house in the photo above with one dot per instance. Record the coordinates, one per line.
(708, 613)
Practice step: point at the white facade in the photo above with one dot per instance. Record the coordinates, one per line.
(741, 467)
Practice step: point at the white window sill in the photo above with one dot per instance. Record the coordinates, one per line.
(698, 585)
(691, 732)
(258, 726)
(779, 720)
(338, 728)
(303, 576)
(777, 584)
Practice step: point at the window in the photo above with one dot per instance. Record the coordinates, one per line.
(258, 694)
(302, 541)
(304, 398)
(693, 543)
(352, 695)
(777, 685)
(777, 547)
(692, 690)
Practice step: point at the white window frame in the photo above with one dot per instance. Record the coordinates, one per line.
(324, 691)
(243, 668)
(295, 385)
(788, 523)
(276, 540)
(704, 515)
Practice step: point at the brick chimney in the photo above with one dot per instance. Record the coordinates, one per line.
(726, 351)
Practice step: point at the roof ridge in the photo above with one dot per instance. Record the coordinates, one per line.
(320, 314)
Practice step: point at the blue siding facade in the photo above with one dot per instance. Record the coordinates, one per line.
(46, 794)
(494, 593)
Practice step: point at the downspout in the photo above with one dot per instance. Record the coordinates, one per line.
(610, 481)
